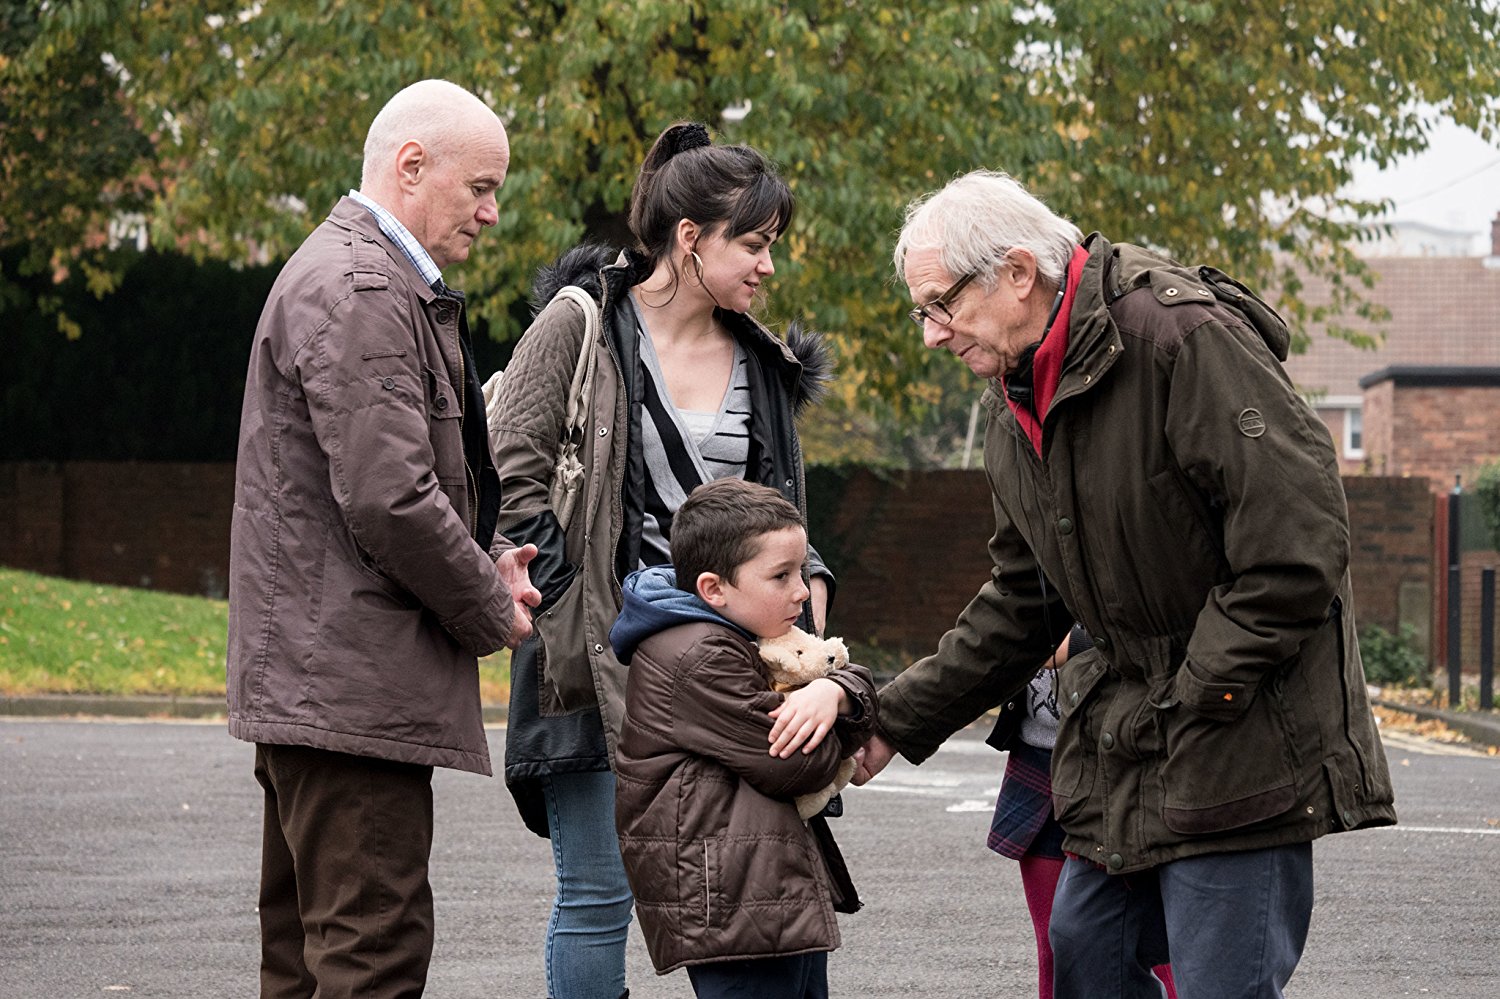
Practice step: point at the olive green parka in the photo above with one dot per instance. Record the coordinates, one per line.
(1187, 510)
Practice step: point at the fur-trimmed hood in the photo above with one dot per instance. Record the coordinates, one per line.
(579, 266)
(584, 266)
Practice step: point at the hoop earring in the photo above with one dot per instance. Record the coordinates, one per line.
(697, 265)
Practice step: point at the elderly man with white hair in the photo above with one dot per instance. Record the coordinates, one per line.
(1156, 478)
(366, 574)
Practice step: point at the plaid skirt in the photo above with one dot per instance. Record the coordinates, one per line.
(1023, 824)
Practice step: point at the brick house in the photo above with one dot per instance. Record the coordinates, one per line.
(1427, 401)
(1424, 405)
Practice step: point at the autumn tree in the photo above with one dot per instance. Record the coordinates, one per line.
(1219, 131)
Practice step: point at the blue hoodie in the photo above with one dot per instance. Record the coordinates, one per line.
(653, 603)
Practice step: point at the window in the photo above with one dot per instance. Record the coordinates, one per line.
(1354, 432)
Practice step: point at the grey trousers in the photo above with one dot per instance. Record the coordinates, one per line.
(1232, 924)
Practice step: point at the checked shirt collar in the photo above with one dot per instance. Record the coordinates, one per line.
(402, 237)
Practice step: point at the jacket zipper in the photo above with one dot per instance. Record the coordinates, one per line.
(708, 912)
(463, 391)
(617, 522)
(1041, 476)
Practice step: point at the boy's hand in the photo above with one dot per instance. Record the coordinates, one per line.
(805, 717)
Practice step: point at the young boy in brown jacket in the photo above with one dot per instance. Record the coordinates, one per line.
(728, 881)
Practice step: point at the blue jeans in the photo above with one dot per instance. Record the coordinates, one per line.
(1234, 924)
(591, 913)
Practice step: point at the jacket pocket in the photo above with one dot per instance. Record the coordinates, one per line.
(711, 882)
(768, 874)
(1073, 761)
(385, 584)
(446, 431)
(1225, 774)
(565, 668)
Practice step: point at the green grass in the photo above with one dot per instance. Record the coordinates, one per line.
(62, 637)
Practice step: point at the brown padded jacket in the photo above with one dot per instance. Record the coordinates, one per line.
(721, 866)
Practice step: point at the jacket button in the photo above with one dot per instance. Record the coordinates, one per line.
(445, 316)
(598, 647)
(603, 431)
(1073, 697)
(441, 402)
(1107, 741)
(1171, 293)
(1064, 526)
(1348, 818)
(1116, 861)
(789, 483)
(388, 384)
(1101, 643)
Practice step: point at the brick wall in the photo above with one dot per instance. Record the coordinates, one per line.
(910, 548)
(152, 524)
(1392, 533)
(1379, 427)
(1433, 431)
(1430, 424)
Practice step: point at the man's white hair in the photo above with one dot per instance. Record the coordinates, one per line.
(435, 113)
(977, 219)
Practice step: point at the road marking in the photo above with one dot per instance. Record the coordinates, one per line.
(1445, 830)
(971, 805)
(914, 789)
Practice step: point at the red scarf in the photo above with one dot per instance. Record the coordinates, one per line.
(1047, 365)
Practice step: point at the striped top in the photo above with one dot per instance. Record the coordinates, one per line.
(683, 448)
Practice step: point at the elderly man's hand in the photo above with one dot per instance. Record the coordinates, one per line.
(871, 758)
(512, 568)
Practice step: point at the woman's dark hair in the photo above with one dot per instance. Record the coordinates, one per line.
(686, 176)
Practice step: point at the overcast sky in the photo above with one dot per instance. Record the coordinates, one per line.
(1455, 184)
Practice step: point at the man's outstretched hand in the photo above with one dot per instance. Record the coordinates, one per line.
(871, 758)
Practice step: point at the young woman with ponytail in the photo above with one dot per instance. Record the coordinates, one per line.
(688, 387)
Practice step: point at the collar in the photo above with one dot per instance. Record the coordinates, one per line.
(402, 237)
(1047, 364)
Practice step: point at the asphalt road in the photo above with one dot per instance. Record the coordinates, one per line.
(129, 854)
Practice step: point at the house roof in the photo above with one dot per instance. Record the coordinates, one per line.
(1445, 312)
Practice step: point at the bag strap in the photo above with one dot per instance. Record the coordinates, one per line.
(580, 391)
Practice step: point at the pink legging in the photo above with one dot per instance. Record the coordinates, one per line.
(1039, 880)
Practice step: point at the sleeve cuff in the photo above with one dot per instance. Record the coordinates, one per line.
(488, 627)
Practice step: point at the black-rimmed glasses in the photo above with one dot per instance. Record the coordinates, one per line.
(938, 310)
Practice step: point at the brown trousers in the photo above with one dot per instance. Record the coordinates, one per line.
(345, 904)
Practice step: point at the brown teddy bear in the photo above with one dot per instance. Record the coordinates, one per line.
(795, 660)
